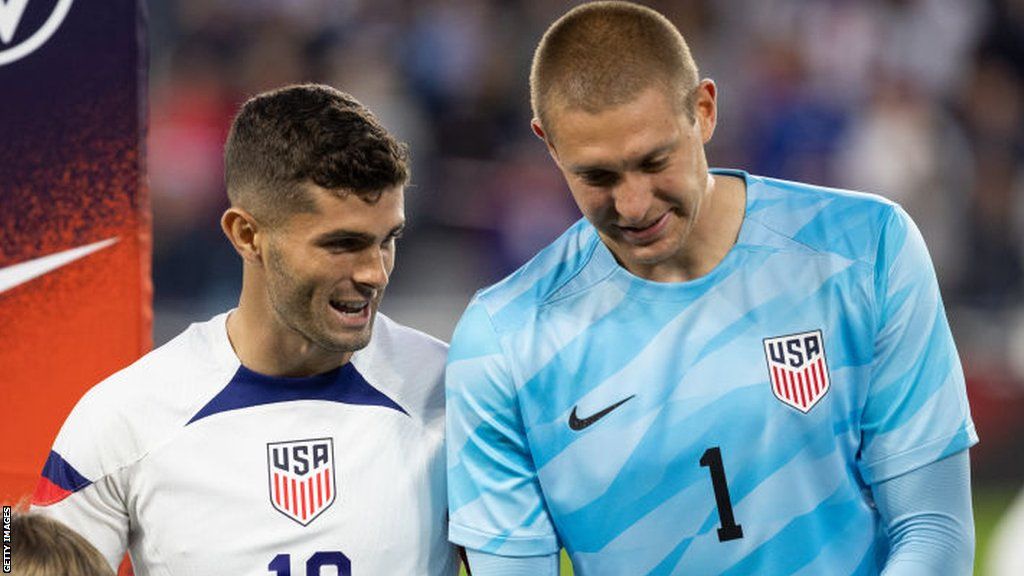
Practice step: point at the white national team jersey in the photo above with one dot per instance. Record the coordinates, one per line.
(199, 465)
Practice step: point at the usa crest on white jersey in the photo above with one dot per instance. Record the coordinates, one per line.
(302, 477)
(797, 368)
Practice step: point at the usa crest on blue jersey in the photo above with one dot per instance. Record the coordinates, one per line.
(797, 368)
(301, 477)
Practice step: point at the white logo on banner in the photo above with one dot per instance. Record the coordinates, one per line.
(10, 17)
(15, 274)
(11, 12)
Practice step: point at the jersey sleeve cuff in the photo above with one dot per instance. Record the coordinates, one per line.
(534, 545)
(913, 459)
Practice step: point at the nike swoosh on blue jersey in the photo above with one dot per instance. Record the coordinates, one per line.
(578, 424)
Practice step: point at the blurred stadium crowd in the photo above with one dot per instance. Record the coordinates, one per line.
(918, 100)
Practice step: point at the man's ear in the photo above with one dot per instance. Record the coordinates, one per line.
(244, 233)
(538, 130)
(706, 108)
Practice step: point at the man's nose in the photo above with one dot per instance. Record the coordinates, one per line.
(633, 198)
(372, 268)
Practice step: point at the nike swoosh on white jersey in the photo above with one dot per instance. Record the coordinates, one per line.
(15, 274)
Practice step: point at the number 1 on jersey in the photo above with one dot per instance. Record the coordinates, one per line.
(730, 530)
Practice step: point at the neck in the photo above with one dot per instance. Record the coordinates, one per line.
(264, 344)
(717, 232)
(713, 234)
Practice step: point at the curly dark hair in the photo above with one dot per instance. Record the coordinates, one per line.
(308, 133)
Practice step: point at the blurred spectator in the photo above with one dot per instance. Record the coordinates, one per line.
(993, 114)
(907, 147)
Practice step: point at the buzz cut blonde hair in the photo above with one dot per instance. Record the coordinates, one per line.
(604, 54)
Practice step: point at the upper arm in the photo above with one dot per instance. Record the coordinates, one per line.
(928, 518)
(494, 494)
(916, 410)
(94, 509)
(82, 482)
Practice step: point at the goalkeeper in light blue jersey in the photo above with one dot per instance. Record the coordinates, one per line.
(712, 372)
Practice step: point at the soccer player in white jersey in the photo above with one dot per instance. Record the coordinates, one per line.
(712, 373)
(301, 433)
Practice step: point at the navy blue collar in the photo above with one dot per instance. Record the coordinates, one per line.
(343, 384)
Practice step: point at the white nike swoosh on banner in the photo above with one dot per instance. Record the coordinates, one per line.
(15, 274)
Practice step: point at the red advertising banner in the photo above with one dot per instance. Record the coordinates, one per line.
(75, 296)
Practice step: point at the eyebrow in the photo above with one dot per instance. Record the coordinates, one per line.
(336, 235)
(663, 149)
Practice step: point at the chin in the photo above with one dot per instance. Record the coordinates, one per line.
(351, 342)
(658, 252)
(646, 257)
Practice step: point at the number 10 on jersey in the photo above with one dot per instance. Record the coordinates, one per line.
(281, 565)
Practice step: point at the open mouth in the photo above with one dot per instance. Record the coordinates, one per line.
(354, 310)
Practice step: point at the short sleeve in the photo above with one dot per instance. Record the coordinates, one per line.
(494, 495)
(79, 487)
(916, 411)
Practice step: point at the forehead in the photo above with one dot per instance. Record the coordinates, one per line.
(333, 211)
(617, 134)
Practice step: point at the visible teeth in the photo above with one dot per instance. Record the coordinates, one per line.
(349, 308)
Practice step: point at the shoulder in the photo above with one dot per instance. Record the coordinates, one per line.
(819, 219)
(405, 364)
(401, 346)
(126, 415)
(555, 269)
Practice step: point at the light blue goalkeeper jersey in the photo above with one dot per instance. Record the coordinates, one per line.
(733, 424)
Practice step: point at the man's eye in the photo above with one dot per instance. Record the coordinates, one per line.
(654, 165)
(599, 178)
(343, 246)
